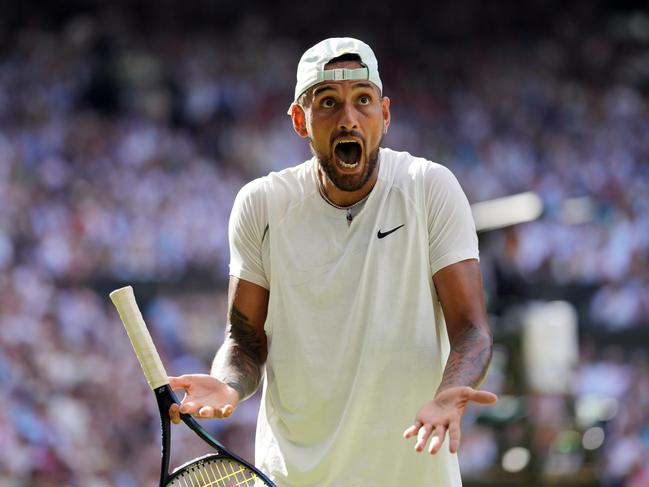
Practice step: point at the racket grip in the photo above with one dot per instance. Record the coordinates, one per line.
(154, 371)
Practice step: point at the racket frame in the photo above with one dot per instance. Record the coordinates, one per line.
(147, 354)
(165, 397)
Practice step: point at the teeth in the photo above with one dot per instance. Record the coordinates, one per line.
(347, 141)
(344, 164)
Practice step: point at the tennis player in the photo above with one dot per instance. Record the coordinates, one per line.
(355, 295)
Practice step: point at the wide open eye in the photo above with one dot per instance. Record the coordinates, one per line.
(364, 100)
(328, 103)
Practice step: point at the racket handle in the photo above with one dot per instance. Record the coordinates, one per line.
(154, 371)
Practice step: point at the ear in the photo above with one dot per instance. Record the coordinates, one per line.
(385, 108)
(299, 120)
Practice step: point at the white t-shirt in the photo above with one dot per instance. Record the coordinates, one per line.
(357, 341)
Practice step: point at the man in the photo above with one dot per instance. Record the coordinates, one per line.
(355, 286)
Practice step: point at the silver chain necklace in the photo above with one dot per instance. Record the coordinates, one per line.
(348, 209)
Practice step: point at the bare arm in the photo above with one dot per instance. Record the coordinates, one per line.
(459, 288)
(238, 366)
(240, 360)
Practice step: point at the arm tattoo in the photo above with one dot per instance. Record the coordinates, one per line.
(240, 360)
(469, 359)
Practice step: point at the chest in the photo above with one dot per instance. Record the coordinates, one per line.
(310, 245)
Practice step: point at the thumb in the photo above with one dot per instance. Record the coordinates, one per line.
(179, 382)
(483, 397)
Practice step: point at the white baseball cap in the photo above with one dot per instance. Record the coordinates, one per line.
(311, 71)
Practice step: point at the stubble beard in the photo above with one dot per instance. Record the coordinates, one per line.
(347, 182)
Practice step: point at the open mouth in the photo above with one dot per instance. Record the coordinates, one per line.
(348, 153)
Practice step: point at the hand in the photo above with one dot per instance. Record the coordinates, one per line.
(205, 397)
(443, 414)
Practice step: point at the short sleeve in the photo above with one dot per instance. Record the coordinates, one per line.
(451, 229)
(246, 231)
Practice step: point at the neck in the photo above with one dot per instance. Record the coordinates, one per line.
(340, 198)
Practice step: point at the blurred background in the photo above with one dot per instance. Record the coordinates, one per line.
(127, 128)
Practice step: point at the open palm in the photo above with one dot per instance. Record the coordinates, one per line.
(442, 415)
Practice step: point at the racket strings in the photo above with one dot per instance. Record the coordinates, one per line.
(216, 473)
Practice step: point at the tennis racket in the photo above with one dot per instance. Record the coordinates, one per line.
(220, 469)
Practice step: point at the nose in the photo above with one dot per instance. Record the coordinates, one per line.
(348, 118)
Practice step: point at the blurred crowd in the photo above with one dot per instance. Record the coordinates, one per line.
(121, 153)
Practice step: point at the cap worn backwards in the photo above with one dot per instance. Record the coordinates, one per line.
(311, 69)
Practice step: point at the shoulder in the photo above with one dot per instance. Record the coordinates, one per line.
(252, 189)
(405, 169)
(276, 183)
(291, 176)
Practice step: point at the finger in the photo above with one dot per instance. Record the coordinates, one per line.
(422, 436)
(210, 412)
(454, 434)
(189, 407)
(174, 413)
(206, 412)
(412, 430)
(437, 439)
(226, 410)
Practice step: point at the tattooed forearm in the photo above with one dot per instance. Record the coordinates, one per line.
(469, 358)
(240, 360)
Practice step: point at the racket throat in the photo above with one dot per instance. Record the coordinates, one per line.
(165, 397)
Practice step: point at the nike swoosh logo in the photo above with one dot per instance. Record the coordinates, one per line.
(381, 234)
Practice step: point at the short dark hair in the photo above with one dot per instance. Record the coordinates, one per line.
(349, 56)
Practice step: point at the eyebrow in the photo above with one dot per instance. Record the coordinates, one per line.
(362, 85)
(322, 89)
